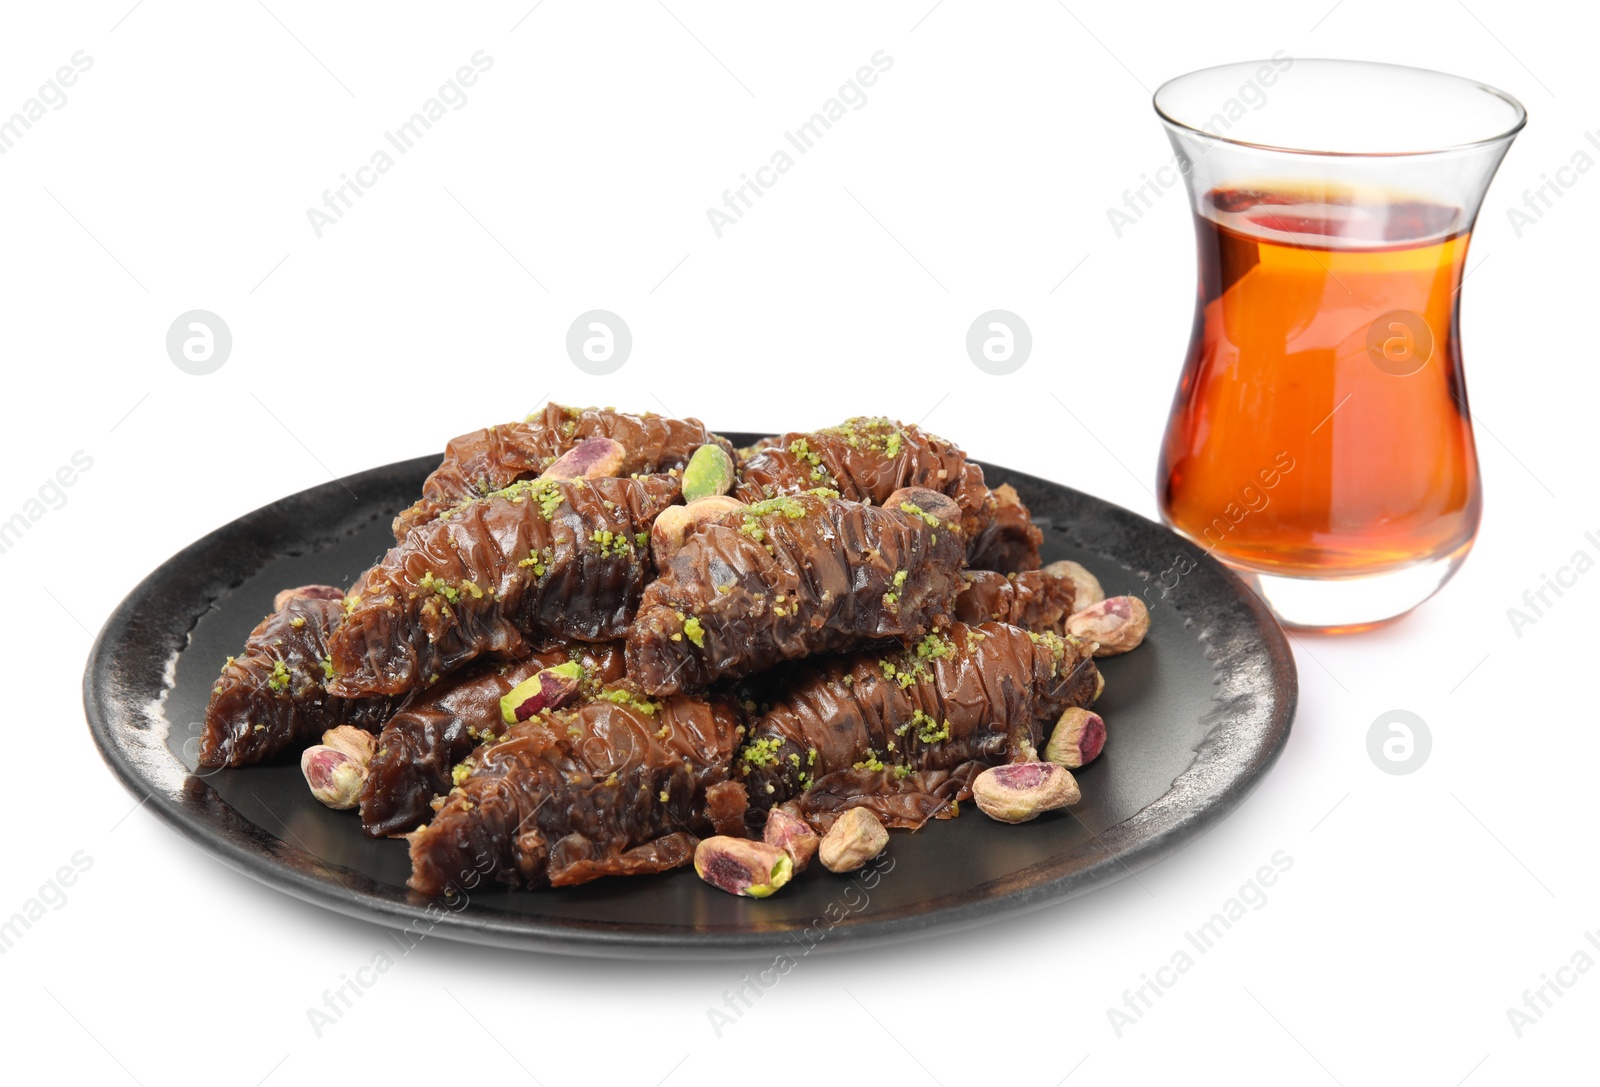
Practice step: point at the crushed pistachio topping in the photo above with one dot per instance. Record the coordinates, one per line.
(460, 772)
(540, 560)
(611, 544)
(351, 602)
(802, 449)
(875, 432)
(1051, 641)
(694, 631)
(789, 507)
(546, 492)
(871, 762)
(327, 667)
(905, 677)
(917, 511)
(431, 583)
(298, 621)
(929, 731)
(623, 697)
(279, 679)
(663, 796)
(933, 647)
(761, 752)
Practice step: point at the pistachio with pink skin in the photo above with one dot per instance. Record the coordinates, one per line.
(592, 458)
(1117, 624)
(792, 834)
(1077, 740)
(547, 689)
(672, 524)
(854, 839)
(1086, 588)
(742, 867)
(336, 769)
(1020, 791)
(307, 592)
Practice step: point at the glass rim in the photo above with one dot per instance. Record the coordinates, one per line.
(1520, 122)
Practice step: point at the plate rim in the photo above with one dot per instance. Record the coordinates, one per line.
(1240, 751)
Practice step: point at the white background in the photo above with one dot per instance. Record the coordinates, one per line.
(578, 174)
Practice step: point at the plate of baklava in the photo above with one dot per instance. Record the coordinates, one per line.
(613, 683)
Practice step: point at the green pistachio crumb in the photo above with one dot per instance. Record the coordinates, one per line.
(929, 731)
(871, 762)
(432, 583)
(761, 752)
(625, 697)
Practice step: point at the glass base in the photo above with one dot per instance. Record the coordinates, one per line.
(1342, 604)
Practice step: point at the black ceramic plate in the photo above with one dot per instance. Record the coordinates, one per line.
(1195, 716)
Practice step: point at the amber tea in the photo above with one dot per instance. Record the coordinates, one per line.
(1325, 349)
(1320, 441)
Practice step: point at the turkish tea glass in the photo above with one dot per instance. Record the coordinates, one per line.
(1320, 442)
